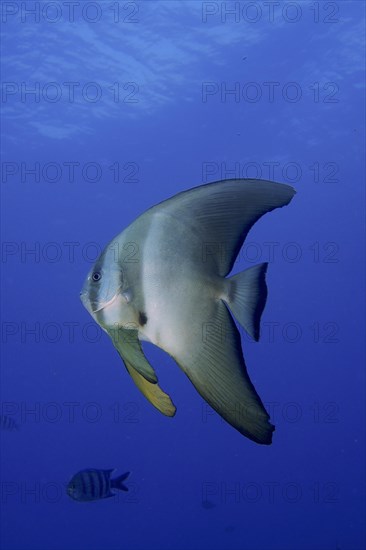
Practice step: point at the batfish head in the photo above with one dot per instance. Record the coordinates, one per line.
(102, 289)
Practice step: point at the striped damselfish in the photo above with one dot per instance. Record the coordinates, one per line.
(93, 484)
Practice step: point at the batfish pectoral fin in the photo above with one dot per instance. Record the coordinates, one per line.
(152, 392)
(128, 346)
(213, 361)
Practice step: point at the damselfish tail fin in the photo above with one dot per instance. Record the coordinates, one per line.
(117, 483)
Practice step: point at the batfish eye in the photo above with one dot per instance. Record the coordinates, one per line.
(96, 276)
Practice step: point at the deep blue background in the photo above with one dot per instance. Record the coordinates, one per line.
(196, 483)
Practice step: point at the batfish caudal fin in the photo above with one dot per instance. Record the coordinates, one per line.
(129, 348)
(212, 359)
(246, 297)
(223, 212)
(118, 482)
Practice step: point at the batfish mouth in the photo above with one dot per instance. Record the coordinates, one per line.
(103, 305)
(93, 306)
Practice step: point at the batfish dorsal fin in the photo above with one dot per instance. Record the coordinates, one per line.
(223, 212)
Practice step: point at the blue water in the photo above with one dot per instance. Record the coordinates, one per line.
(107, 109)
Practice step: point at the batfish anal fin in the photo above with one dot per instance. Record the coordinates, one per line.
(152, 392)
(223, 212)
(213, 361)
(129, 348)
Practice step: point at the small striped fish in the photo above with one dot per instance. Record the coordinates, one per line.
(7, 423)
(93, 484)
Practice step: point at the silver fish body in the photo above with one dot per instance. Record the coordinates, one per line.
(164, 280)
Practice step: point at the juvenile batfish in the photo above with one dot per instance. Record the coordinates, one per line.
(164, 280)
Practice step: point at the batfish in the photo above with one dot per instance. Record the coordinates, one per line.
(164, 280)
